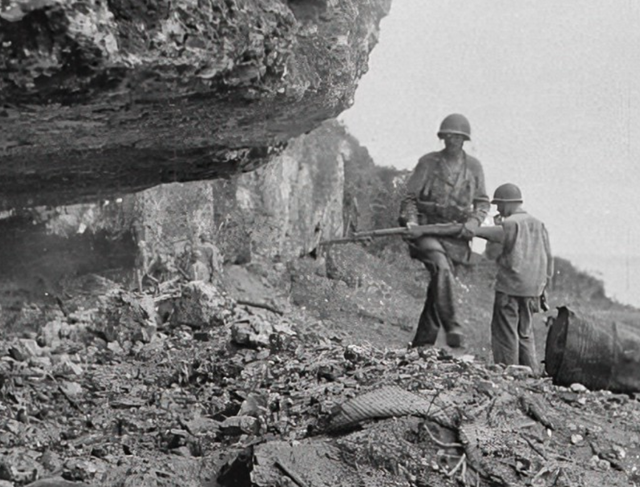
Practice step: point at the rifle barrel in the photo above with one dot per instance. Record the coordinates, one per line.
(341, 240)
(436, 230)
(382, 232)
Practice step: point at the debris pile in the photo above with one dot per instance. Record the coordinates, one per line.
(188, 387)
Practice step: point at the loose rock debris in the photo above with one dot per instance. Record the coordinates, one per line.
(117, 395)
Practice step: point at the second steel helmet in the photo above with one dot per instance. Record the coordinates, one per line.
(455, 124)
(507, 193)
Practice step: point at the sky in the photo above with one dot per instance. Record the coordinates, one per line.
(552, 91)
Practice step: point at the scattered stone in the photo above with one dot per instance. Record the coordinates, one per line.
(354, 353)
(203, 426)
(577, 439)
(201, 305)
(145, 333)
(83, 470)
(13, 426)
(498, 368)
(568, 396)
(20, 466)
(486, 386)
(599, 463)
(467, 358)
(43, 362)
(125, 316)
(71, 389)
(183, 451)
(254, 332)
(619, 452)
(82, 315)
(64, 365)
(519, 371)
(618, 398)
(51, 461)
(578, 388)
(17, 354)
(53, 333)
(115, 347)
(126, 402)
(254, 405)
(24, 349)
(594, 429)
(237, 425)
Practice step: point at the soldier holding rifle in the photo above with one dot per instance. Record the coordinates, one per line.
(445, 187)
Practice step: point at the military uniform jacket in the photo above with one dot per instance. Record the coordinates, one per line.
(436, 194)
(525, 264)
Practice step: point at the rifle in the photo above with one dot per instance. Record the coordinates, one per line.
(434, 230)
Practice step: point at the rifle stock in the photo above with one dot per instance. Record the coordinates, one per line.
(434, 230)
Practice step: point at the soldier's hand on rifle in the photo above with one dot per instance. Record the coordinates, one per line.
(468, 230)
(414, 232)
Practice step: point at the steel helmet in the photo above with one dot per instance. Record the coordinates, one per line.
(507, 193)
(455, 124)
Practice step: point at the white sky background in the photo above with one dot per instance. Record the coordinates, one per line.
(552, 91)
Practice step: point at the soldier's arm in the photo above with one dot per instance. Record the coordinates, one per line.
(408, 205)
(481, 202)
(479, 197)
(492, 234)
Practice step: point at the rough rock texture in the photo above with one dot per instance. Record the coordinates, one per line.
(103, 98)
(285, 208)
(201, 305)
(280, 210)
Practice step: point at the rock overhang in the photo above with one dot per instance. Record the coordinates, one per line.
(102, 98)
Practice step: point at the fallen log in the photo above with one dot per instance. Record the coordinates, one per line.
(595, 354)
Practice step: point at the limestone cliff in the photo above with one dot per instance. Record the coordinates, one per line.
(280, 210)
(101, 98)
(286, 207)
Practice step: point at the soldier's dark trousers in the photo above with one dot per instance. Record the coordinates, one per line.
(512, 340)
(440, 306)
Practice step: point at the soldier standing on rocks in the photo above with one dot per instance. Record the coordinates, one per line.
(525, 269)
(445, 187)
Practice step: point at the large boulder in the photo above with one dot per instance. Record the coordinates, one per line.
(105, 98)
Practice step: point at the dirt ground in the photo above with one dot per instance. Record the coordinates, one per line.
(294, 374)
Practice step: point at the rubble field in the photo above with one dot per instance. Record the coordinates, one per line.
(293, 374)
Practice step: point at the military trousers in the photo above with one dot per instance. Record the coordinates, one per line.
(440, 305)
(512, 340)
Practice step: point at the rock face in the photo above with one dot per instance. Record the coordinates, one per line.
(285, 208)
(280, 210)
(105, 98)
